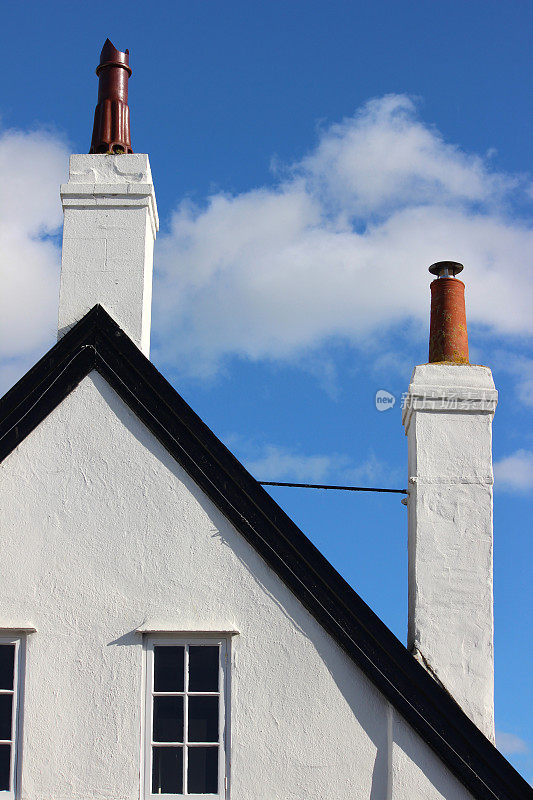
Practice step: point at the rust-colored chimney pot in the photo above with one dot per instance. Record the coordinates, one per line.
(448, 337)
(111, 131)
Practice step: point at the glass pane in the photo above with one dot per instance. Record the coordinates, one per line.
(168, 669)
(203, 669)
(167, 770)
(203, 719)
(168, 719)
(202, 770)
(6, 703)
(7, 660)
(5, 761)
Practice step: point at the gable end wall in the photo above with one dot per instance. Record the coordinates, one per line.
(105, 531)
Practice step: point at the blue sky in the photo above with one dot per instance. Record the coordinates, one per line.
(310, 161)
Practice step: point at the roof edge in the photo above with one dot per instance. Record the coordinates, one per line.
(97, 342)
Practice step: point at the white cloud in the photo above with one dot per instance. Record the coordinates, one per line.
(509, 744)
(339, 246)
(278, 463)
(521, 369)
(270, 462)
(335, 250)
(371, 471)
(515, 472)
(32, 165)
(384, 158)
(389, 363)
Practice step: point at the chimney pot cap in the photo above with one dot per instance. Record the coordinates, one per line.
(446, 269)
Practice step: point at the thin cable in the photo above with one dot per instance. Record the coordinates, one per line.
(329, 486)
(304, 586)
(298, 579)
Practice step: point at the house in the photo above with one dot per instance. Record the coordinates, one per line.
(165, 628)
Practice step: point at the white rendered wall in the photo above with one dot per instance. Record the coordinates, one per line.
(103, 531)
(448, 420)
(110, 225)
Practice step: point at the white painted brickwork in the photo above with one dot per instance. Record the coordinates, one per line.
(448, 420)
(110, 225)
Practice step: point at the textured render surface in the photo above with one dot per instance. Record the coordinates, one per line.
(416, 774)
(114, 534)
(110, 225)
(449, 429)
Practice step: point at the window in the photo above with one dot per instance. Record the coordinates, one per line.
(185, 718)
(9, 679)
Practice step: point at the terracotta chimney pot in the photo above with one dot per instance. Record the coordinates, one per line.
(448, 336)
(111, 131)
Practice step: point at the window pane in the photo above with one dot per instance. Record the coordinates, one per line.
(7, 660)
(5, 760)
(203, 669)
(203, 719)
(167, 770)
(202, 770)
(6, 702)
(168, 719)
(168, 669)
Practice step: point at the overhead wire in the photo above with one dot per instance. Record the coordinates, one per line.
(331, 486)
(356, 644)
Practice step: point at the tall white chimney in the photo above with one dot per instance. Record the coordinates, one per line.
(110, 216)
(448, 416)
(110, 225)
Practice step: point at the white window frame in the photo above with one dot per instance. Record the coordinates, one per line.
(223, 735)
(17, 640)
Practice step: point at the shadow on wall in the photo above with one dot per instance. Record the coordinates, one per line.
(373, 712)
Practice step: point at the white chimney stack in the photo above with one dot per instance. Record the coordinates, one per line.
(448, 416)
(110, 225)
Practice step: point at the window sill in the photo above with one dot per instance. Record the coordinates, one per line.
(187, 631)
(8, 629)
